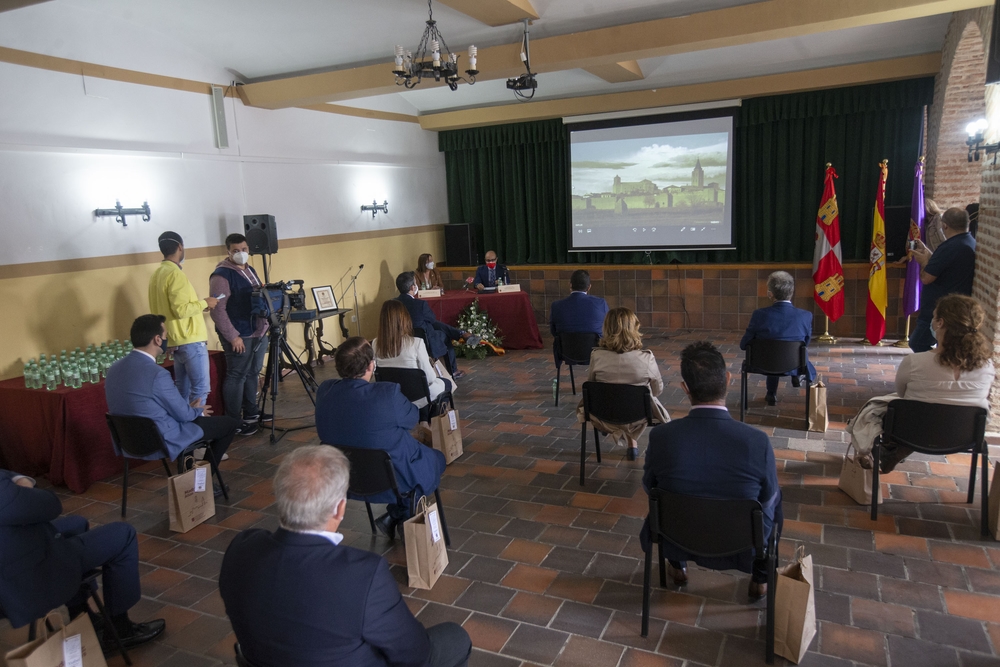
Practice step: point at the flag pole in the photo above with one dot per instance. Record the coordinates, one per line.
(905, 340)
(826, 337)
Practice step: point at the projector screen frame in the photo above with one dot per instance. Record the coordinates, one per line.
(718, 112)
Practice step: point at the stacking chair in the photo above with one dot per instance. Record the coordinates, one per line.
(372, 474)
(612, 404)
(422, 335)
(138, 437)
(573, 349)
(413, 383)
(774, 357)
(933, 428)
(241, 660)
(709, 528)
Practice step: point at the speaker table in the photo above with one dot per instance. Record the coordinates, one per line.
(511, 312)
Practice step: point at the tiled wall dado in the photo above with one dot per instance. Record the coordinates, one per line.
(699, 297)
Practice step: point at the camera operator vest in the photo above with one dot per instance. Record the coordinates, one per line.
(238, 303)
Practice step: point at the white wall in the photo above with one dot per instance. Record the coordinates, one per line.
(69, 145)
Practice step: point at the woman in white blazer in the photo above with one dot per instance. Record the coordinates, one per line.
(397, 347)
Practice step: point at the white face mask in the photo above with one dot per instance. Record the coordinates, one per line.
(241, 257)
(430, 265)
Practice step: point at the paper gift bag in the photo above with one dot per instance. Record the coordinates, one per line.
(191, 498)
(994, 508)
(819, 419)
(446, 435)
(443, 373)
(426, 555)
(856, 481)
(73, 645)
(794, 608)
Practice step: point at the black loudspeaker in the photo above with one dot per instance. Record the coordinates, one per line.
(459, 247)
(897, 229)
(262, 236)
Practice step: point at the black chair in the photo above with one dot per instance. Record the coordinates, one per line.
(422, 335)
(413, 383)
(612, 404)
(139, 437)
(709, 528)
(372, 474)
(573, 349)
(241, 660)
(933, 428)
(774, 357)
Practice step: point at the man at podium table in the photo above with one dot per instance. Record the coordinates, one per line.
(488, 275)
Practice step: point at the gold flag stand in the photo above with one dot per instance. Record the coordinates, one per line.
(826, 337)
(905, 340)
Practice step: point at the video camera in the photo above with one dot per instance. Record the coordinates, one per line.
(276, 300)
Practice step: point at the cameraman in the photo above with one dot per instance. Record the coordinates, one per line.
(240, 332)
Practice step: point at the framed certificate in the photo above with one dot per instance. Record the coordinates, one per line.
(325, 300)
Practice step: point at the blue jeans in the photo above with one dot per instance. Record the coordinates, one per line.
(239, 391)
(191, 371)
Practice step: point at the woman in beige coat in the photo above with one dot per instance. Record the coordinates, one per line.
(621, 359)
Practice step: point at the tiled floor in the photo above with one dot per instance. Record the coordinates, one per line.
(546, 572)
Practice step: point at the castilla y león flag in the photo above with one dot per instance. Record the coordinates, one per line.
(877, 290)
(828, 269)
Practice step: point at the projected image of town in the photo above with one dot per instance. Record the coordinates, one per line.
(668, 190)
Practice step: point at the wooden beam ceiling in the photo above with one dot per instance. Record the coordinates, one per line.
(745, 24)
(7, 5)
(773, 84)
(628, 70)
(494, 12)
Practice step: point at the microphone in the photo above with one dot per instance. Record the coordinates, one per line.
(361, 266)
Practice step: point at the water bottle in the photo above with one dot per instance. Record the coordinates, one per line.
(27, 377)
(51, 378)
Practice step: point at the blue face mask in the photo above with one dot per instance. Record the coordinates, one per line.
(163, 344)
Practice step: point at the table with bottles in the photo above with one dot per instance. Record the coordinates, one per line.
(52, 419)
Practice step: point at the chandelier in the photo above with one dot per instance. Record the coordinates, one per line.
(410, 71)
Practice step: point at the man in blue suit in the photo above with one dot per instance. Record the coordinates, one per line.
(780, 321)
(137, 386)
(710, 454)
(43, 558)
(579, 312)
(439, 335)
(487, 275)
(299, 597)
(356, 412)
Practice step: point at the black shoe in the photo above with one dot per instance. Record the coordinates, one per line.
(262, 417)
(247, 428)
(218, 491)
(386, 525)
(796, 381)
(633, 453)
(679, 575)
(756, 591)
(137, 634)
(770, 399)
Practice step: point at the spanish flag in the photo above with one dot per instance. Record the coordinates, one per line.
(877, 291)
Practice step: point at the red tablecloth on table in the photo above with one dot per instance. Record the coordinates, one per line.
(511, 312)
(62, 434)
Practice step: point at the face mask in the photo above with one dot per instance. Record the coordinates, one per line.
(492, 264)
(430, 265)
(163, 344)
(240, 257)
(933, 333)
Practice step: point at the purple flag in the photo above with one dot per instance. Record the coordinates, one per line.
(912, 287)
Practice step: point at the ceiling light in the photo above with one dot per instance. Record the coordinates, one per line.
(409, 71)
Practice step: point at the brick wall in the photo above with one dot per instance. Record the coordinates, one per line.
(959, 98)
(709, 296)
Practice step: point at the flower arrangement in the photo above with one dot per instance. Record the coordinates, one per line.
(485, 336)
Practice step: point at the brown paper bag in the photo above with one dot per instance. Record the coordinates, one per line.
(190, 497)
(819, 418)
(794, 608)
(426, 555)
(856, 481)
(443, 373)
(75, 643)
(994, 500)
(446, 435)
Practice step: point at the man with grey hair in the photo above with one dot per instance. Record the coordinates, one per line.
(298, 596)
(780, 321)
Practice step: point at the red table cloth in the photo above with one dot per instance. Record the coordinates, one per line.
(62, 434)
(511, 312)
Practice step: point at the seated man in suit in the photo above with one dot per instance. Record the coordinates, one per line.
(356, 412)
(780, 321)
(439, 335)
(710, 454)
(297, 596)
(137, 386)
(488, 275)
(579, 312)
(43, 558)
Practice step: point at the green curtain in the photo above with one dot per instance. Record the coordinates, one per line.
(511, 182)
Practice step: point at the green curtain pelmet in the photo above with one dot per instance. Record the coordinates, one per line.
(511, 183)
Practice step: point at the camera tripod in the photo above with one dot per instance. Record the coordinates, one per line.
(280, 354)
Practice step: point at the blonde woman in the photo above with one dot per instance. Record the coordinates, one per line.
(621, 359)
(426, 275)
(397, 347)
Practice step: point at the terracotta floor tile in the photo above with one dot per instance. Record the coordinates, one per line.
(887, 618)
(489, 632)
(972, 605)
(635, 658)
(530, 578)
(575, 587)
(532, 608)
(525, 551)
(535, 644)
(849, 643)
(959, 554)
(904, 545)
(584, 652)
